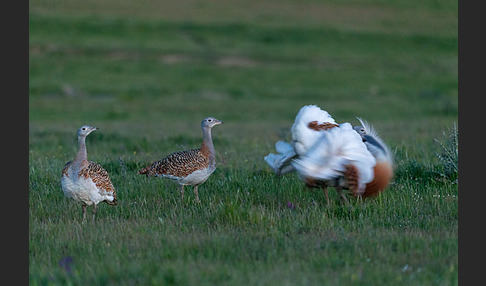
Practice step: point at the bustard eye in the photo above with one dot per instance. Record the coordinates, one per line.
(210, 120)
(84, 128)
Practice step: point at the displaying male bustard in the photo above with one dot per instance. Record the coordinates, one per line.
(189, 167)
(338, 155)
(338, 159)
(85, 181)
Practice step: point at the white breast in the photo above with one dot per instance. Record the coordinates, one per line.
(83, 190)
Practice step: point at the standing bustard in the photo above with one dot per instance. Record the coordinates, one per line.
(189, 167)
(85, 181)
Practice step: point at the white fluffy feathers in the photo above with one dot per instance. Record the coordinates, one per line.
(302, 136)
(335, 149)
(323, 151)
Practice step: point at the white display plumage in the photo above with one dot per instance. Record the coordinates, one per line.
(325, 153)
(304, 137)
(334, 150)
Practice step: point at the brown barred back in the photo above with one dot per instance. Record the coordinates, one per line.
(179, 164)
(100, 178)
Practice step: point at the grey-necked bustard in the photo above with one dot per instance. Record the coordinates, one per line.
(384, 159)
(324, 153)
(84, 181)
(189, 167)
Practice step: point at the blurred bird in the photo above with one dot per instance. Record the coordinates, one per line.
(85, 181)
(338, 159)
(327, 154)
(189, 167)
(383, 169)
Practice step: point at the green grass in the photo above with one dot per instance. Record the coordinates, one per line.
(147, 75)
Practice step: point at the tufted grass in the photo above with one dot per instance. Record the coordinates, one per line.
(146, 76)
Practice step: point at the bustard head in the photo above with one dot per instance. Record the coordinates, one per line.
(85, 130)
(209, 122)
(361, 130)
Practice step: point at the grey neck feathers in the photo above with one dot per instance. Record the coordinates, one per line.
(82, 156)
(207, 147)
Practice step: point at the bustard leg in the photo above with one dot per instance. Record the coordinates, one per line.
(195, 192)
(94, 212)
(84, 212)
(182, 192)
(343, 196)
(324, 188)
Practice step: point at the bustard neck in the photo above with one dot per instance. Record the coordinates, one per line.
(82, 155)
(207, 147)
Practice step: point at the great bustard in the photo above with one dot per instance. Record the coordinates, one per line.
(84, 181)
(189, 167)
(329, 154)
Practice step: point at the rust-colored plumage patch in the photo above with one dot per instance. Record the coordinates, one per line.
(65, 169)
(178, 164)
(101, 179)
(313, 183)
(351, 177)
(314, 125)
(383, 175)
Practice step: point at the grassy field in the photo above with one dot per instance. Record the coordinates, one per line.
(146, 73)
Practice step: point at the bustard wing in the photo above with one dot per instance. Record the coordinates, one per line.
(178, 164)
(280, 162)
(65, 169)
(101, 179)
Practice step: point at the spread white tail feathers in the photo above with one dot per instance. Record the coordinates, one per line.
(280, 163)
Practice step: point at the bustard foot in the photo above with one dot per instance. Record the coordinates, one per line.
(343, 196)
(182, 192)
(197, 195)
(84, 213)
(324, 188)
(94, 212)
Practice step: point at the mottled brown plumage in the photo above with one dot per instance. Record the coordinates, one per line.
(178, 164)
(189, 167)
(99, 176)
(101, 179)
